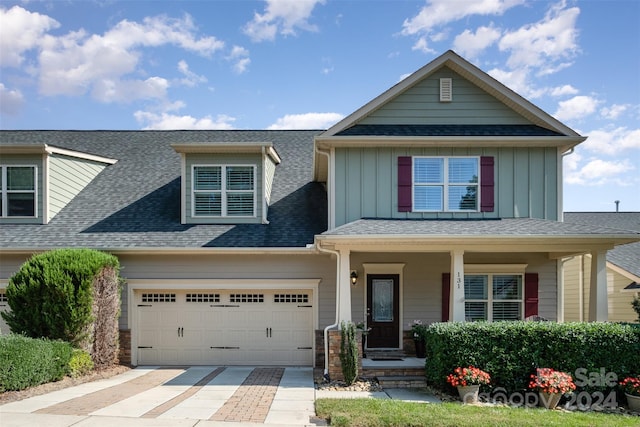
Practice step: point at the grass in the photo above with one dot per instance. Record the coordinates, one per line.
(387, 413)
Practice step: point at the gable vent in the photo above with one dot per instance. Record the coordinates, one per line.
(446, 90)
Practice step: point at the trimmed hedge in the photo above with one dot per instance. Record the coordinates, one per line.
(27, 362)
(511, 351)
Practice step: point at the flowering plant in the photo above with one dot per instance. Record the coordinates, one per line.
(418, 329)
(468, 376)
(548, 380)
(631, 385)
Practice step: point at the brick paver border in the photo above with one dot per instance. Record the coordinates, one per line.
(252, 400)
(84, 405)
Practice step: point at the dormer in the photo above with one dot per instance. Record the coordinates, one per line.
(38, 180)
(226, 183)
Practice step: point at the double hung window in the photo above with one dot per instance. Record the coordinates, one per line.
(445, 184)
(493, 297)
(18, 184)
(223, 191)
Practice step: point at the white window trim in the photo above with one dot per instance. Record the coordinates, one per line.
(490, 300)
(4, 192)
(223, 191)
(445, 185)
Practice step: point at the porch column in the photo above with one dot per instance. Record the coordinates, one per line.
(598, 304)
(456, 300)
(344, 287)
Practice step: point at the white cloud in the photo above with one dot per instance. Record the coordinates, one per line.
(441, 12)
(11, 101)
(563, 90)
(614, 111)
(165, 121)
(307, 121)
(614, 141)
(190, 79)
(470, 44)
(546, 44)
(600, 172)
(423, 45)
(21, 31)
(283, 17)
(240, 56)
(518, 81)
(576, 107)
(77, 63)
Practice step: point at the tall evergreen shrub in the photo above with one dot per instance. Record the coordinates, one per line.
(68, 294)
(349, 352)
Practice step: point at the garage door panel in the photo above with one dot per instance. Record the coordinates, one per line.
(225, 327)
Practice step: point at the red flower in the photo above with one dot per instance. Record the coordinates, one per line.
(468, 376)
(631, 385)
(551, 381)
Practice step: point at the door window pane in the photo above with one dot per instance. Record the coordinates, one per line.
(382, 297)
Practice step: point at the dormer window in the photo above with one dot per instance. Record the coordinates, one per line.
(18, 185)
(224, 191)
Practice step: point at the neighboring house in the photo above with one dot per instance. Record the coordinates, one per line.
(623, 270)
(438, 200)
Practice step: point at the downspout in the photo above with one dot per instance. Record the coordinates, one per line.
(335, 324)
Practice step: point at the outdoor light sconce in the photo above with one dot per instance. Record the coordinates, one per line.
(354, 277)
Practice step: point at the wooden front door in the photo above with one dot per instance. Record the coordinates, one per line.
(383, 310)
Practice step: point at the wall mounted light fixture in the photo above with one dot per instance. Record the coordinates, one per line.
(354, 277)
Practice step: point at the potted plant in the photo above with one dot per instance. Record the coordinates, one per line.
(467, 381)
(551, 385)
(419, 332)
(365, 331)
(631, 387)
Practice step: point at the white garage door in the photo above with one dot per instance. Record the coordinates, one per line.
(225, 327)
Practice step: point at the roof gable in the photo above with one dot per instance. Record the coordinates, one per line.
(509, 107)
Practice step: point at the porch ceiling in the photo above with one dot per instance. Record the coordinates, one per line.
(488, 235)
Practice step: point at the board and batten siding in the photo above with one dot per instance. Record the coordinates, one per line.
(67, 177)
(421, 104)
(367, 183)
(28, 160)
(224, 159)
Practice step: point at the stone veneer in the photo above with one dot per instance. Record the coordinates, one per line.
(124, 355)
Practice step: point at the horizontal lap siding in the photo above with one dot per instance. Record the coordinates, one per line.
(421, 105)
(67, 177)
(219, 266)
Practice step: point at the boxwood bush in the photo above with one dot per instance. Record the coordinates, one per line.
(511, 351)
(27, 362)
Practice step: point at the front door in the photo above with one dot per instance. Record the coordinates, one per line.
(383, 310)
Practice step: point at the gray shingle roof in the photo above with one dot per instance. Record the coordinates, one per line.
(627, 256)
(495, 227)
(447, 130)
(136, 202)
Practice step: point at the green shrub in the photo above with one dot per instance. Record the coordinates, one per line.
(511, 351)
(349, 352)
(80, 363)
(27, 362)
(68, 294)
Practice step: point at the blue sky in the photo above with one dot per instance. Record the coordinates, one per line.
(306, 64)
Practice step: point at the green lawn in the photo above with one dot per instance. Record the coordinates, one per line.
(383, 413)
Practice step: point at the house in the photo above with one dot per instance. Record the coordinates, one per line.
(439, 200)
(623, 270)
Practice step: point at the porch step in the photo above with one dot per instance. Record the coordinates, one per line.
(385, 354)
(391, 371)
(401, 381)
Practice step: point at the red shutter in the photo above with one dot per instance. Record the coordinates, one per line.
(486, 184)
(530, 294)
(446, 293)
(404, 184)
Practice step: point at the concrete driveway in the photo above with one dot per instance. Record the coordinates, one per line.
(205, 396)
